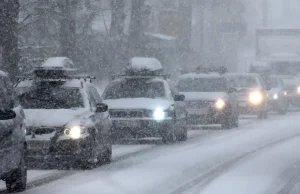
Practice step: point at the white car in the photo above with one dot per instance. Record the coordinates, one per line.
(67, 122)
(142, 104)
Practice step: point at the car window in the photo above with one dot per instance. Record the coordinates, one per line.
(91, 97)
(6, 93)
(96, 95)
(202, 85)
(52, 98)
(135, 88)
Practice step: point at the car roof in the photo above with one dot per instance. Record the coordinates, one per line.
(199, 75)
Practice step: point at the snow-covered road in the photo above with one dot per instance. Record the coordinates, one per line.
(260, 157)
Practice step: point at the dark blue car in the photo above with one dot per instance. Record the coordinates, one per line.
(12, 138)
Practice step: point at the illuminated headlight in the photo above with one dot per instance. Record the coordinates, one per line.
(275, 96)
(159, 114)
(298, 90)
(285, 93)
(256, 97)
(220, 104)
(75, 132)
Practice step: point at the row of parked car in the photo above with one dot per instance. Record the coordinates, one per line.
(57, 116)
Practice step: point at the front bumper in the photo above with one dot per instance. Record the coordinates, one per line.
(67, 150)
(293, 99)
(10, 159)
(245, 107)
(207, 116)
(140, 127)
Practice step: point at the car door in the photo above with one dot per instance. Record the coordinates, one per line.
(12, 132)
(180, 108)
(96, 119)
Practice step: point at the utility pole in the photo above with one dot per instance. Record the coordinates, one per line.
(265, 11)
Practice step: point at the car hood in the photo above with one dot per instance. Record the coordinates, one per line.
(274, 91)
(210, 96)
(139, 103)
(52, 117)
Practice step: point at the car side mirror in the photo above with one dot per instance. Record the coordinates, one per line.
(101, 107)
(268, 88)
(7, 114)
(232, 90)
(179, 98)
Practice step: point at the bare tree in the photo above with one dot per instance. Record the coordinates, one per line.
(184, 40)
(9, 12)
(68, 27)
(118, 18)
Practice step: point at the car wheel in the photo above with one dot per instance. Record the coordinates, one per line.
(263, 114)
(18, 178)
(105, 158)
(183, 135)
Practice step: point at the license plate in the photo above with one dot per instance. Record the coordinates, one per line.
(127, 124)
(35, 145)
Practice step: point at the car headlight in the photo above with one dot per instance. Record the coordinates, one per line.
(285, 93)
(256, 97)
(275, 96)
(220, 104)
(75, 132)
(298, 90)
(159, 114)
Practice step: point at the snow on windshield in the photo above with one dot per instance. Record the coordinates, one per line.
(202, 85)
(52, 98)
(135, 88)
(244, 81)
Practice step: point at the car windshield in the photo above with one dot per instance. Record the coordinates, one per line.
(202, 85)
(243, 81)
(52, 98)
(135, 88)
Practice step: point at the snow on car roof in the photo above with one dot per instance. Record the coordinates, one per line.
(63, 62)
(142, 63)
(199, 75)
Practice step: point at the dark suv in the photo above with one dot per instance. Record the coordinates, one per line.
(12, 138)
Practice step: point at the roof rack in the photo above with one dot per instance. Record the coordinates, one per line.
(220, 70)
(86, 78)
(141, 76)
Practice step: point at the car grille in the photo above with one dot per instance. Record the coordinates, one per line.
(40, 130)
(198, 104)
(130, 113)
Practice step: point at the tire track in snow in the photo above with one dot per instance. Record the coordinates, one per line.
(203, 180)
(286, 182)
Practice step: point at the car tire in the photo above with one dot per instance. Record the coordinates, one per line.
(283, 111)
(183, 135)
(263, 114)
(106, 157)
(168, 136)
(17, 180)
